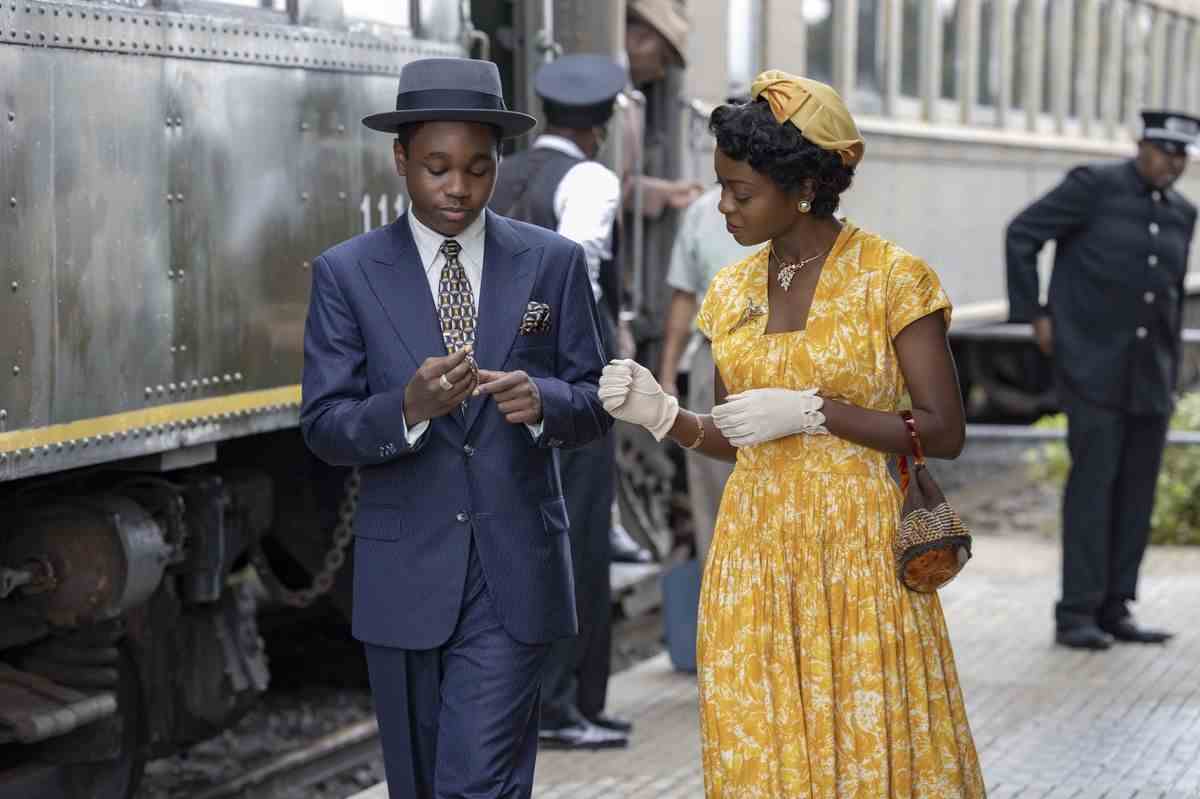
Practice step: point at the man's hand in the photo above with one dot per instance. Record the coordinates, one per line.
(516, 395)
(1043, 334)
(426, 395)
(684, 193)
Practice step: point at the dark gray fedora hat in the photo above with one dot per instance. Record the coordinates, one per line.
(451, 90)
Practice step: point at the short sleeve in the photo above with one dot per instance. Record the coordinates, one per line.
(710, 309)
(913, 292)
(681, 273)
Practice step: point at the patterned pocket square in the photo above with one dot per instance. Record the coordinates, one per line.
(536, 319)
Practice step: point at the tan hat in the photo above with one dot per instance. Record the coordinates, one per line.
(668, 18)
(814, 108)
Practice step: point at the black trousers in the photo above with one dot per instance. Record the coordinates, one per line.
(1115, 460)
(575, 679)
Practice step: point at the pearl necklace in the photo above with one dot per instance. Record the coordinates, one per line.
(787, 271)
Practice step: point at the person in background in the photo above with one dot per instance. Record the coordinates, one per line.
(558, 185)
(702, 248)
(1112, 326)
(656, 34)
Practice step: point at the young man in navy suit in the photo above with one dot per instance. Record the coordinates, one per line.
(449, 355)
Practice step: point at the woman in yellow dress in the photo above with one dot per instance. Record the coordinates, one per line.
(820, 674)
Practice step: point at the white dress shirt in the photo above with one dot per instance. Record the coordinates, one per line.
(585, 204)
(429, 247)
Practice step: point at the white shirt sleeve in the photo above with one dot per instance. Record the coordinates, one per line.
(413, 434)
(586, 203)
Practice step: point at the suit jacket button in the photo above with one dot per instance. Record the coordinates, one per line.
(468, 450)
(462, 517)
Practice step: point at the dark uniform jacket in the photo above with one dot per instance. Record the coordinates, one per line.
(525, 190)
(1116, 293)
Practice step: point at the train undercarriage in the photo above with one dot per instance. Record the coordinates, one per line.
(129, 604)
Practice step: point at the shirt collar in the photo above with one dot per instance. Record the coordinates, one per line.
(429, 241)
(563, 145)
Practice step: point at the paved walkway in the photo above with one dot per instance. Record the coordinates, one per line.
(1049, 723)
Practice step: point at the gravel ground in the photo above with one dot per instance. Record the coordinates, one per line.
(319, 677)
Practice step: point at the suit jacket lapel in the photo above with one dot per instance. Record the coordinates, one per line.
(509, 270)
(397, 276)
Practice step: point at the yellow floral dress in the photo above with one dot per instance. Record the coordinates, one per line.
(820, 675)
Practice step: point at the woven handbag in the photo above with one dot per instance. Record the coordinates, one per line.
(932, 544)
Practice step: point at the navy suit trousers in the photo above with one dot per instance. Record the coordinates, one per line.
(460, 721)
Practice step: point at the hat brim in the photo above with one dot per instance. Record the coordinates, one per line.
(510, 123)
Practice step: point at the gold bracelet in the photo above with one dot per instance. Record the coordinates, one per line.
(699, 436)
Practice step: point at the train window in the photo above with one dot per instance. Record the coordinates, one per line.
(872, 54)
(268, 5)
(1048, 47)
(387, 12)
(1135, 78)
(1027, 13)
(440, 20)
(744, 37)
(1109, 51)
(1076, 68)
(989, 62)
(910, 48)
(948, 16)
(1174, 59)
(818, 21)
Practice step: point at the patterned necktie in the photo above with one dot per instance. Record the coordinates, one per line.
(456, 303)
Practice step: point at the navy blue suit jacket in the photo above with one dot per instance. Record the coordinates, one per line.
(371, 323)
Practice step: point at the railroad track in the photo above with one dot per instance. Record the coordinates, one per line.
(329, 756)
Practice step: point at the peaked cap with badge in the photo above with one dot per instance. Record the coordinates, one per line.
(1172, 131)
(578, 90)
(451, 90)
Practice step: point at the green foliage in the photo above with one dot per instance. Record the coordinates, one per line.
(1176, 518)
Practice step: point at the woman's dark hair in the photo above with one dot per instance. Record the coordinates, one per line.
(750, 133)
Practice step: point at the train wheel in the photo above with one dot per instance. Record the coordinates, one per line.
(118, 777)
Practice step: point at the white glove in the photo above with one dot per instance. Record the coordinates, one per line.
(630, 393)
(765, 414)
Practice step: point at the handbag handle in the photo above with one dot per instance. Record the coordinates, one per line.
(917, 449)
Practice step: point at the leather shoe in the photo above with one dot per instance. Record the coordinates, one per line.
(625, 549)
(582, 735)
(1126, 629)
(1083, 636)
(612, 723)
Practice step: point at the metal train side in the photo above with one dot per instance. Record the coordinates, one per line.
(165, 177)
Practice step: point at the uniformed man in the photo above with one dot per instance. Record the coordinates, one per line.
(1112, 323)
(556, 184)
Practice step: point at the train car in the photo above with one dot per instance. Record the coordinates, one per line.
(970, 109)
(167, 170)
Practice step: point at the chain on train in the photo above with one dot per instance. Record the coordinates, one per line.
(334, 559)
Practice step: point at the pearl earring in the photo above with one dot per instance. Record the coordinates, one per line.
(805, 206)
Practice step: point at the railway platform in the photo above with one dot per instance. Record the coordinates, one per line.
(1049, 723)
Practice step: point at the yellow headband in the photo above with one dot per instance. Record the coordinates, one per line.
(814, 108)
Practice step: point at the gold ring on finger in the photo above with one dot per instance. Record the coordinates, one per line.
(445, 384)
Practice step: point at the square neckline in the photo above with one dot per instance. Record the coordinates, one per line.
(763, 285)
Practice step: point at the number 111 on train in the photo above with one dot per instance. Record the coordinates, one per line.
(399, 205)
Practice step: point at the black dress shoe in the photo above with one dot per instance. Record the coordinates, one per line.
(583, 735)
(612, 723)
(1083, 636)
(625, 549)
(1126, 629)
